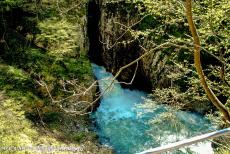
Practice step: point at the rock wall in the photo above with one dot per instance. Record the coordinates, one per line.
(122, 31)
(118, 46)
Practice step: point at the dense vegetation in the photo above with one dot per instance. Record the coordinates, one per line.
(171, 70)
(43, 41)
(166, 22)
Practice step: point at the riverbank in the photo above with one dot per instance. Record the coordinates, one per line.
(41, 53)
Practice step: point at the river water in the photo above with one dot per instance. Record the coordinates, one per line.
(124, 123)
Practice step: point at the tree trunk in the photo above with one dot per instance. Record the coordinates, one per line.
(198, 66)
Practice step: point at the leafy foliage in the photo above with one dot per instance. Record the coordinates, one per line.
(42, 44)
(165, 21)
(8, 4)
(59, 37)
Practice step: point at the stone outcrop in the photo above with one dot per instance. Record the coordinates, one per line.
(117, 45)
(117, 37)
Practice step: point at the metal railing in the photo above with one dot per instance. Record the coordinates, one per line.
(187, 142)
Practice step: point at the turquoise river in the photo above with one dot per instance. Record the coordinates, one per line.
(126, 122)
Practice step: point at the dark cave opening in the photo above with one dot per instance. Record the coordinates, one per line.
(95, 46)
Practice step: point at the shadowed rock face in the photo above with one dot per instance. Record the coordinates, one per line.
(111, 45)
(115, 36)
(116, 45)
(120, 56)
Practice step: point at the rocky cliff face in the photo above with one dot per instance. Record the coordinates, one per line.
(124, 31)
(118, 44)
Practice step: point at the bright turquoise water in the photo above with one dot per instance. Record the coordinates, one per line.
(127, 126)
